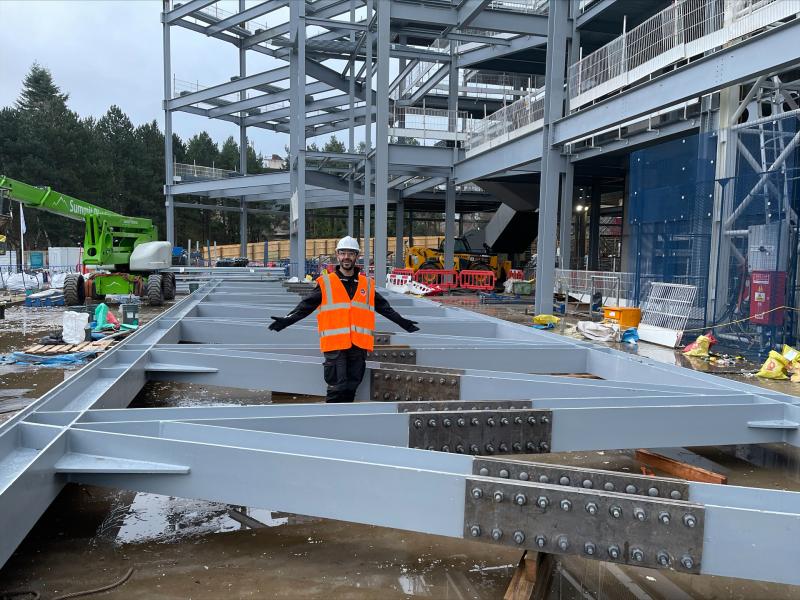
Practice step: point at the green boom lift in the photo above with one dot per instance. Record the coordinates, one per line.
(124, 251)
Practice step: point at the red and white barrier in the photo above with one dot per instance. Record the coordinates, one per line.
(477, 280)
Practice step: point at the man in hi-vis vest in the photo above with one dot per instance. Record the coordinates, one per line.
(347, 303)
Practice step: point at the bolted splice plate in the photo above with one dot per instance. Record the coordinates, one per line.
(609, 526)
(642, 485)
(414, 383)
(393, 354)
(382, 339)
(481, 432)
(459, 405)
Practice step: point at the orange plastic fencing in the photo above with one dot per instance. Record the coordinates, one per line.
(477, 280)
(446, 279)
(516, 274)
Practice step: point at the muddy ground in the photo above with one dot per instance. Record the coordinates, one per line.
(180, 548)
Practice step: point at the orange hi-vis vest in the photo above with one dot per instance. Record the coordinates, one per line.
(342, 322)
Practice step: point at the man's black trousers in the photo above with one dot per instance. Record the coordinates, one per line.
(344, 370)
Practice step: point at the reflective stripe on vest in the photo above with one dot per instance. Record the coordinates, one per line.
(342, 322)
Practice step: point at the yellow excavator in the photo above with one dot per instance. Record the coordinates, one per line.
(464, 258)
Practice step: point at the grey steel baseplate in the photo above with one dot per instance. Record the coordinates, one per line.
(610, 526)
(459, 405)
(481, 432)
(393, 354)
(643, 485)
(414, 383)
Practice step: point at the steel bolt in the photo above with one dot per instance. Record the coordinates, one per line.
(687, 561)
(519, 537)
(630, 488)
(419, 379)
(460, 449)
(445, 448)
(662, 558)
(566, 505)
(474, 421)
(475, 531)
(652, 492)
(615, 511)
(564, 480)
(530, 447)
(386, 396)
(447, 422)
(517, 447)
(520, 499)
(477, 493)
(563, 543)
(591, 508)
(544, 479)
(497, 534)
(408, 377)
(460, 422)
(431, 448)
(663, 518)
(689, 520)
(608, 486)
(587, 483)
(441, 381)
(675, 495)
(637, 554)
(504, 473)
(589, 548)
(639, 514)
(518, 420)
(489, 449)
(473, 449)
(490, 421)
(503, 447)
(544, 447)
(418, 423)
(545, 419)
(498, 496)
(541, 541)
(504, 421)
(452, 382)
(531, 420)
(386, 377)
(613, 551)
(523, 476)
(431, 422)
(542, 502)
(397, 377)
(430, 379)
(375, 395)
(397, 396)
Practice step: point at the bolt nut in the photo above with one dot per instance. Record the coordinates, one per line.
(653, 492)
(484, 472)
(497, 534)
(473, 449)
(637, 555)
(615, 511)
(530, 447)
(608, 486)
(544, 479)
(563, 543)
(441, 381)
(541, 541)
(630, 488)
(542, 502)
(675, 495)
(589, 548)
(460, 422)
(447, 422)
(490, 421)
(503, 447)
(640, 514)
(663, 518)
(545, 419)
(460, 449)
(662, 558)
(418, 423)
(523, 476)
(613, 551)
(475, 531)
(517, 447)
(431, 422)
(519, 537)
(520, 499)
(477, 493)
(689, 520)
(531, 420)
(504, 421)
(587, 483)
(544, 447)
(386, 396)
(504, 473)
(591, 508)
(687, 562)
(489, 449)
(474, 421)
(563, 480)
(566, 505)
(518, 420)
(445, 448)
(498, 496)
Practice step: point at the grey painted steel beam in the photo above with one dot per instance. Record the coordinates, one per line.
(185, 10)
(520, 151)
(518, 44)
(767, 52)
(246, 15)
(438, 14)
(223, 89)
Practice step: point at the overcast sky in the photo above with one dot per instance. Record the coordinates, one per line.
(105, 52)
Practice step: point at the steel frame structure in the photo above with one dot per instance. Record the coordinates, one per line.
(438, 418)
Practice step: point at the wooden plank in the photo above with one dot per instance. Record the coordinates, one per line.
(679, 469)
(531, 579)
(80, 346)
(33, 349)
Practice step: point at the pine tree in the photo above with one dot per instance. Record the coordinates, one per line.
(39, 90)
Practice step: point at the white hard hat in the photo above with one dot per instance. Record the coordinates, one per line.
(348, 243)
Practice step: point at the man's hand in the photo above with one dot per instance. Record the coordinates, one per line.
(279, 323)
(410, 326)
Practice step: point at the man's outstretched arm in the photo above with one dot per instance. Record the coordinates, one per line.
(382, 307)
(306, 306)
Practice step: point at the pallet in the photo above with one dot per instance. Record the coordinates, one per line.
(52, 349)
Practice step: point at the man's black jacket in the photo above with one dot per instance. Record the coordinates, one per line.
(311, 303)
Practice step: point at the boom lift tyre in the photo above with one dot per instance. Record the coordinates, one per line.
(74, 290)
(168, 286)
(155, 294)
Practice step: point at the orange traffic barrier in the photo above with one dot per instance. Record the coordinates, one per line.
(446, 279)
(477, 280)
(516, 274)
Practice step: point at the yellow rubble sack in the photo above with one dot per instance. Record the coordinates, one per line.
(546, 320)
(790, 354)
(774, 367)
(699, 347)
